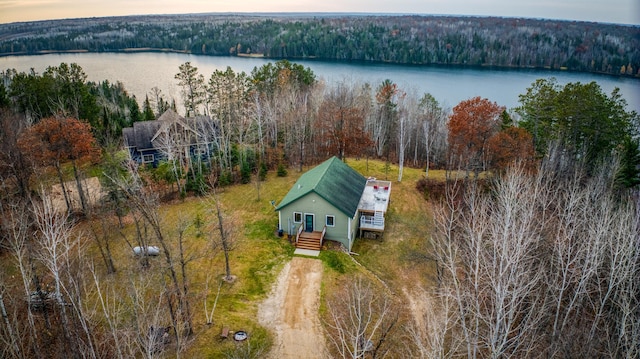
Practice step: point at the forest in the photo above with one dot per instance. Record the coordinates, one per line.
(521, 227)
(411, 39)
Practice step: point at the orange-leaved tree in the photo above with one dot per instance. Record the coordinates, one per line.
(340, 129)
(52, 142)
(471, 125)
(513, 145)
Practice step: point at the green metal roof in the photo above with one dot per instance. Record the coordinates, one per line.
(334, 181)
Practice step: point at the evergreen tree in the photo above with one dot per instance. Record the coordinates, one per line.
(587, 124)
(4, 97)
(147, 113)
(134, 110)
(629, 173)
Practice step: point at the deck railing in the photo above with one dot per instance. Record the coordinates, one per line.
(376, 220)
(324, 230)
(300, 229)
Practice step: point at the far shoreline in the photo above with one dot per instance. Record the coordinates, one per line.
(314, 58)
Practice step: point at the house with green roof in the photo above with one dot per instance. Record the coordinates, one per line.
(326, 203)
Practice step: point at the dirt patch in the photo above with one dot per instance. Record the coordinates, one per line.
(93, 193)
(419, 306)
(291, 311)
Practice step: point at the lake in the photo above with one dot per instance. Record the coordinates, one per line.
(139, 72)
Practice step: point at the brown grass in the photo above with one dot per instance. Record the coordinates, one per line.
(398, 258)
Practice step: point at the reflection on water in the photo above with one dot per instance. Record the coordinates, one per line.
(140, 72)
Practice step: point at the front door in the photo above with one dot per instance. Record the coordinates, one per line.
(308, 222)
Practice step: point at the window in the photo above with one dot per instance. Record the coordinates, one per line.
(331, 221)
(297, 217)
(147, 158)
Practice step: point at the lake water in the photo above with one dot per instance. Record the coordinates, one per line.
(139, 72)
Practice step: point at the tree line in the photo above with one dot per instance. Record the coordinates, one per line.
(281, 116)
(410, 39)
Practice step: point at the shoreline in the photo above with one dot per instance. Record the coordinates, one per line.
(316, 59)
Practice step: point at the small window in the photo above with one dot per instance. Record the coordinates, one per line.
(297, 217)
(147, 158)
(331, 221)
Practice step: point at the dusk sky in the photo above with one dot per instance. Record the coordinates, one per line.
(621, 11)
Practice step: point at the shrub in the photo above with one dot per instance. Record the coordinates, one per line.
(282, 170)
(226, 178)
(245, 172)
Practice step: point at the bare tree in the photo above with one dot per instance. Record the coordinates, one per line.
(407, 119)
(540, 266)
(110, 304)
(434, 129)
(431, 337)
(226, 240)
(8, 333)
(16, 221)
(160, 104)
(146, 204)
(102, 239)
(56, 245)
(361, 321)
(149, 318)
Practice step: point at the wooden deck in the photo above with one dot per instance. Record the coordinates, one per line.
(310, 240)
(373, 223)
(373, 206)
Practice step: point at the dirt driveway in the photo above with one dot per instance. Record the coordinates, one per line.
(291, 311)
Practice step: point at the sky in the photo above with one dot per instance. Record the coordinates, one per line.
(619, 11)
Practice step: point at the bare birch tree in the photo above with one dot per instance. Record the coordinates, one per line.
(16, 221)
(434, 129)
(407, 118)
(9, 335)
(56, 245)
(433, 340)
(361, 321)
(541, 266)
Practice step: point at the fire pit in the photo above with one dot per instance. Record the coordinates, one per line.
(240, 336)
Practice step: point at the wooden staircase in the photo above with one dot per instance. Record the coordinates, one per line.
(310, 240)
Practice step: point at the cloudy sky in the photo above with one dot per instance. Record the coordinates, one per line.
(619, 11)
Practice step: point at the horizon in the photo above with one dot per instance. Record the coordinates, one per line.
(626, 12)
(325, 13)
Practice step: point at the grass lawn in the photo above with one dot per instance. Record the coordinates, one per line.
(397, 258)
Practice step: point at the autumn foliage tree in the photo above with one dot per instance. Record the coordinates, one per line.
(471, 126)
(53, 142)
(340, 127)
(513, 144)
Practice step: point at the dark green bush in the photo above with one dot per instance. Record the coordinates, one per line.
(282, 170)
